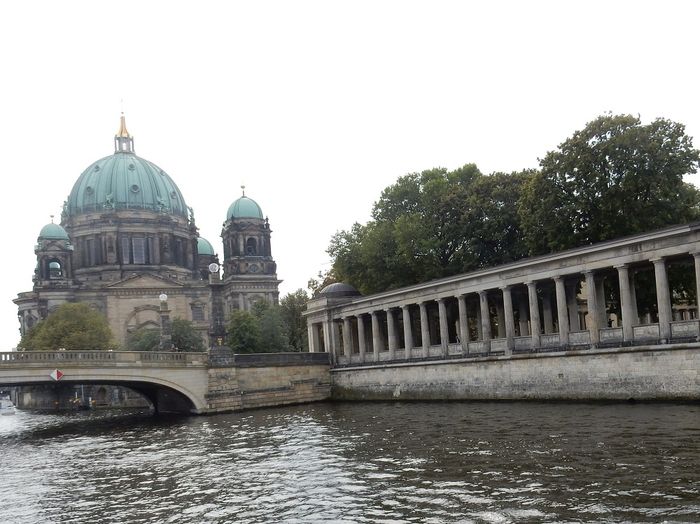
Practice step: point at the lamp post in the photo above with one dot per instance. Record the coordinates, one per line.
(166, 340)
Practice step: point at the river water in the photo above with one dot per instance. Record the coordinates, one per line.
(357, 462)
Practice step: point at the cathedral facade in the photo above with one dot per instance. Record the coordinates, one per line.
(126, 238)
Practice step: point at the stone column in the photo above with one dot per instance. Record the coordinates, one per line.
(485, 320)
(392, 337)
(464, 323)
(663, 298)
(407, 332)
(548, 319)
(633, 292)
(522, 313)
(347, 337)
(335, 339)
(361, 336)
(572, 304)
(444, 331)
(593, 315)
(313, 338)
(534, 314)
(500, 316)
(602, 306)
(562, 315)
(509, 319)
(424, 329)
(625, 302)
(377, 343)
(696, 258)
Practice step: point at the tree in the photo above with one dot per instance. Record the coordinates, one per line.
(185, 337)
(273, 331)
(291, 308)
(430, 225)
(243, 333)
(615, 177)
(144, 339)
(72, 326)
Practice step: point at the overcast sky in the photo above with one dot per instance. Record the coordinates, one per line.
(314, 106)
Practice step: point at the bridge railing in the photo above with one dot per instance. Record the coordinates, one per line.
(102, 357)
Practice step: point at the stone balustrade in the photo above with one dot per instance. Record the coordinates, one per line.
(576, 299)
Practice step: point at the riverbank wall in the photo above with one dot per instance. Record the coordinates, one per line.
(654, 372)
(249, 381)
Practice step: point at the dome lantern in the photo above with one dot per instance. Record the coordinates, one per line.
(123, 141)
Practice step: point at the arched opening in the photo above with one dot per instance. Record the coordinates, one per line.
(55, 269)
(251, 247)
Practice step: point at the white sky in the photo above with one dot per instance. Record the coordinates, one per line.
(314, 106)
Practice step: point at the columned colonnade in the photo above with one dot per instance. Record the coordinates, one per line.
(586, 297)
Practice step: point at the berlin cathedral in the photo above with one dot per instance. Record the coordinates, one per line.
(126, 238)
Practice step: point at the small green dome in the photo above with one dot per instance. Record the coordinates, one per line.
(125, 181)
(204, 247)
(244, 207)
(53, 232)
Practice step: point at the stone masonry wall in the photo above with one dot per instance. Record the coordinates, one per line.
(259, 380)
(641, 373)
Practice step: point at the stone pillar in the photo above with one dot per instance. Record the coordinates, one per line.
(485, 320)
(500, 317)
(407, 332)
(633, 292)
(663, 298)
(548, 319)
(444, 331)
(593, 315)
(696, 258)
(392, 337)
(509, 319)
(424, 329)
(626, 302)
(602, 306)
(377, 343)
(562, 315)
(522, 313)
(361, 337)
(534, 314)
(479, 325)
(572, 304)
(464, 323)
(335, 339)
(347, 337)
(313, 338)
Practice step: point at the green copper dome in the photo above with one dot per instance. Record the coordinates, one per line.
(53, 232)
(204, 247)
(125, 181)
(244, 207)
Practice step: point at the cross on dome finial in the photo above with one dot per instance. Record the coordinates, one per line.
(51, 218)
(243, 188)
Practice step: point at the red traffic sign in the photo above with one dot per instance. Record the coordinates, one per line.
(57, 374)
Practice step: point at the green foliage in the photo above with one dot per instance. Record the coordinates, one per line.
(144, 339)
(72, 326)
(260, 330)
(430, 225)
(291, 308)
(615, 177)
(185, 337)
(243, 333)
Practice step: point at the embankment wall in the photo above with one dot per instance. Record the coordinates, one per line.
(660, 372)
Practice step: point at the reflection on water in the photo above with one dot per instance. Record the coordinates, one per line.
(365, 462)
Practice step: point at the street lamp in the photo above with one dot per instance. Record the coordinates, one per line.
(166, 340)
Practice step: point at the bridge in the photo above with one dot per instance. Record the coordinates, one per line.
(192, 383)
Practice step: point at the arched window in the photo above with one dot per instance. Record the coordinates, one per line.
(251, 247)
(55, 270)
